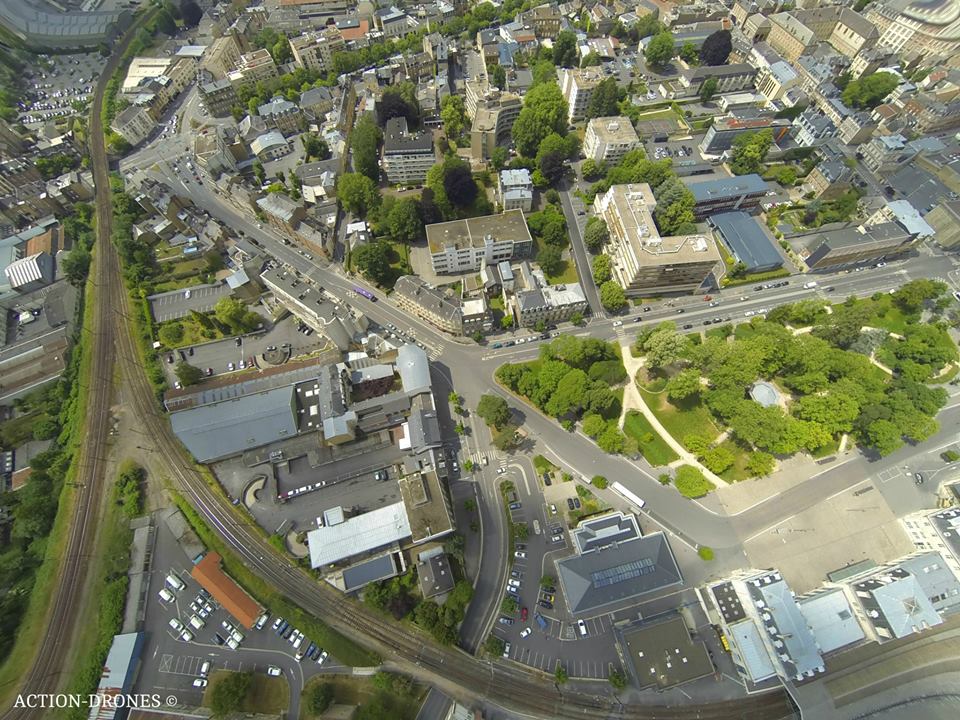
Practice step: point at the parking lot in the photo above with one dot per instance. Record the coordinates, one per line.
(176, 304)
(56, 83)
(548, 641)
(171, 665)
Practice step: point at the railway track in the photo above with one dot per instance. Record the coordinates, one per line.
(470, 679)
(46, 673)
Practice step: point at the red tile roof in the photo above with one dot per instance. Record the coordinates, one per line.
(225, 591)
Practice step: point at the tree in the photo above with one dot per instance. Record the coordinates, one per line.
(551, 260)
(593, 425)
(749, 152)
(234, 314)
(191, 13)
(458, 183)
(506, 322)
(403, 221)
(689, 52)
(602, 269)
(596, 234)
(911, 296)
(565, 50)
(612, 296)
(577, 319)
(498, 158)
(315, 147)
(604, 100)
(319, 698)
(76, 265)
(664, 346)
(560, 675)
(691, 483)
(228, 694)
(357, 193)
(884, 436)
(684, 384)
(373, 260)
(552, 167)
(188, 374)
(716, 48)
(258, 172)
(544, 112)
(171, 334)
(498, 76)
(708, 89)
(400, 101)
(454, 115)
(870, 90)
(617, 680)
(365, 143)
(717, 459)
(494, 410)
(599, 482)
(660, 50)
(760, 464)
(611, 439)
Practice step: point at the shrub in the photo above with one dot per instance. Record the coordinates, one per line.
(705, 553)
(691, 483)
(599, 482)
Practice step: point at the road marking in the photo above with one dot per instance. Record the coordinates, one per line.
(771, 527)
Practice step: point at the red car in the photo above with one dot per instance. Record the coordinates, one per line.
(523, 614)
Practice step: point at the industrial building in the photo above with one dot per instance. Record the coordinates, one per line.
(233, 598)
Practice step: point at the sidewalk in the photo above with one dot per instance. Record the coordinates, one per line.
(633, 400)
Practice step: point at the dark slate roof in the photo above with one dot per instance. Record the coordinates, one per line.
(605, 531)
(727, 187)
(617, 573)
(728, 602)
(378, 568)
(746, 240)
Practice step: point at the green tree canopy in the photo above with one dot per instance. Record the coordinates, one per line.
(373, 260)
(604, 101)
(602, 269)
(565, 50)
(229, 692)
(660, 50)
(544, 111)
(188, 374)
(870, 90)
(551, 260)
(494, 410)
(357, 193)
(232, 313)
(403, 222)
(708, 89)
(612, 296)
(365, 143)
(750, 151)
(453, 114)
(716, 48)
(596, 234)
(691, 483)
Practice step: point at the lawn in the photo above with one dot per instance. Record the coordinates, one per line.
(653, 447)
(737, 471)
(496, 303)
(543, 465)
(360, 690)
(267, 695)
(886, 314)
(681, 419)
(568, 273)
(193, 332)
(666, 114)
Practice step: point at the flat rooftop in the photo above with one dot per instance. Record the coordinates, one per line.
(664, 655)
(509, 226)
(426, 507)
(615, 129)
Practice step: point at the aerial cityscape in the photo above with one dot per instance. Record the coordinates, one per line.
(448, 360)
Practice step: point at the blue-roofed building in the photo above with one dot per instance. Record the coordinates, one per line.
(368, 571)
(747, 241)
(724, 194)
(507, 50)
(119, 672)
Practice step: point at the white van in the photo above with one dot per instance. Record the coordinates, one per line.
(582, 627)
(196, 623)
(165, 595)
(809, 285)
(175, 583)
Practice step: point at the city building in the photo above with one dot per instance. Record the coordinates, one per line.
(534, 301)
(766, 628)
(461, 246)
(747, 241)
(724, 130)
(776, 80)
(854, 245)
(790, 37)
(813, 127)
(315, 50)
(434, 575)
(663, 654)
(545, 19)
(829, 179)
(269, 146)
(515, 189)
(428, 303)
(644, 263)
(30, 273)
(735, 193)
(218, 97)
(904, 214)
(494, 114)
(282, 114)
(729, 78)
(608, 139)
(254, 67)
(120, 669)
(906, 597)
(38, 25)
(614, 562)
(930, 30)
(134, 123)
(222, 56)
(577, 86)
(938, 531)
(945, 220)
(406, 156)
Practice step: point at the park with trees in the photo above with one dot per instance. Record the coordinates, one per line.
(865, 369)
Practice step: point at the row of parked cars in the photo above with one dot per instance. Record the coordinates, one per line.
(305, 648)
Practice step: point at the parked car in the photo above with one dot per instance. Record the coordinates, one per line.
(525, 632)
(520, 554)
(503, 620)
(274, 671)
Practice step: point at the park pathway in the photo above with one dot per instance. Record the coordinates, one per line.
(633, 400)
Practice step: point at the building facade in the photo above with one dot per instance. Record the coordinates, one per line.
(406, 156)
(608, 139)
(577, 86)
(467, 245)
(735, 193)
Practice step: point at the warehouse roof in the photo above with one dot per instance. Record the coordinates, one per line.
(357, 535)
(747, 240)
(229, 427)
(727, 187)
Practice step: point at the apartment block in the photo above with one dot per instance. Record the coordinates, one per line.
(218, 97)
(416, 297)
(928, 30)
(730, 78)
(406, 156)
(282, 115)
(790, 37)
(855, 244)
(494, 114)
(536, 301)
(134, 123)
(222, 57)
(645, 263)
(577, 86)
(608, 139)
(314, 51)
(515, 189)
(254, 67)
(945, 220)
(467, 245)
(721, 134)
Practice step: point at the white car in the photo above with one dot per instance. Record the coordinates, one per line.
(322, 658)
(295, 636)
(506, 650)
(232, 643)
(186, 635)
(525, 632)
(513, 583)
(200, 683)
(205, 668)
(274, 671)
(520, 554)
(501, 471)
(176, 625)
(261, 621)
(298, 642)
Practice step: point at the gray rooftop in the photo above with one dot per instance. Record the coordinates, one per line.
(936, 579)
(397, 140)
(414, 369)
(619, 572)
(229, 427)
(32, 21)
(785, 624)
(746, 240)
(364, 573)
(832, 620)
(605, 531)
(727, 187)
(947, 523)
